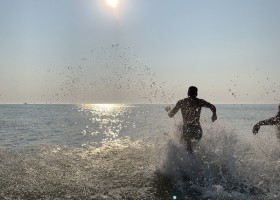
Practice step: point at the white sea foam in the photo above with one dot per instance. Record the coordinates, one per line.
(222, 167)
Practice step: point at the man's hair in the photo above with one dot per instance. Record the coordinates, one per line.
(192, 92)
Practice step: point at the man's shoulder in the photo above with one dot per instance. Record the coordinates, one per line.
(190, 99)
(186, 100)
(199, 100)
(202, 100)
(180, 102)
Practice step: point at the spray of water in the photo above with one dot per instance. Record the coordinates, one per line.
(108, 75)
(222, 167)
(116, 170)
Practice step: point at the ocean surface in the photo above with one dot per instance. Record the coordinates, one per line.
(109, 151)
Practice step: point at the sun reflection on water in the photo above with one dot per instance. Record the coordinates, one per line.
(104, 109)
(106, 121)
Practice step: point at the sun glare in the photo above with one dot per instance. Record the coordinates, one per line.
(104, 109)
(112, 3)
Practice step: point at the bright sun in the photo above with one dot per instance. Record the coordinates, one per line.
(112, 3)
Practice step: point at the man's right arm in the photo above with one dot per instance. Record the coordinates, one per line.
(175, 109)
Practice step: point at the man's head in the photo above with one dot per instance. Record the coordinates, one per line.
(192, 92)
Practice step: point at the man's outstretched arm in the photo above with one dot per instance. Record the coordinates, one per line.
(270, 121)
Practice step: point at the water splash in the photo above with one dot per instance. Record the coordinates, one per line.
(222, 167)
(116, 170)
(219, 169)
(108, 75)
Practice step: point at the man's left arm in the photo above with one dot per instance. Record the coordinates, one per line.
(212, 108)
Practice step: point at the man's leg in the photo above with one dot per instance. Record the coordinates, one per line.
(189, 145)
(186, 138)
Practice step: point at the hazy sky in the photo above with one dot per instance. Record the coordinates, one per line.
(84, 51)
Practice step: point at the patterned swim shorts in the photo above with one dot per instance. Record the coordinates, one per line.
(192, 131)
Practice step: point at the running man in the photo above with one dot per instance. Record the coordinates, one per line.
(270, 121)
(191, 109)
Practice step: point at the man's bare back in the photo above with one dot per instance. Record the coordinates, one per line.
(191, 109)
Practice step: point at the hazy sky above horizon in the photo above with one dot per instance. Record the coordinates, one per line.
(142, 51)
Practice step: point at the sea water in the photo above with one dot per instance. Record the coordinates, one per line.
(109, 151)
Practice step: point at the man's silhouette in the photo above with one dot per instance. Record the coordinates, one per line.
(191, 109)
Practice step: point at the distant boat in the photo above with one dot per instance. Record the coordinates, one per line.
(25, 103)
